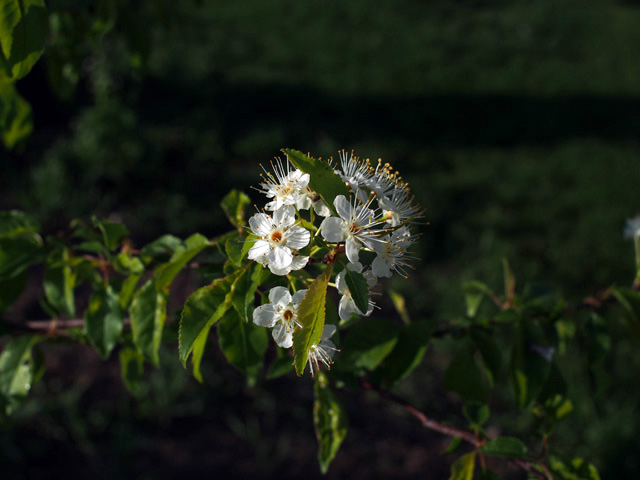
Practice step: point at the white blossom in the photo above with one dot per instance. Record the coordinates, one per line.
(356, 174)
(323, 351)
(311, 199)
(285, 186)
(281, 314)
(354, 227)
(392, 253)
(399, 206)
(277, 237)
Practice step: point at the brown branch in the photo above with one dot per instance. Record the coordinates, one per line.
(450, 431)
(52, 327)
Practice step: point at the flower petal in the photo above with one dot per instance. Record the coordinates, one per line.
(297, 298)
(265, 315)
(261, 224)
(332, 229)
(343, 207)
(280, 296)
(297, 238)
(259, 250)
(282, 336)
(346, 307)
(380, 267)
(280, 257)
(352, 249)
(284, 216)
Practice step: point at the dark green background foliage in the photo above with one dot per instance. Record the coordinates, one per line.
(515, 123)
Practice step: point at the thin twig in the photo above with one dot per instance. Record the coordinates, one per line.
(450, 431)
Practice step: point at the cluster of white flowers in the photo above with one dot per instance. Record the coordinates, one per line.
(376, 219)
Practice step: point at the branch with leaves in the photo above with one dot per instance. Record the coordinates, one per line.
(328, 230)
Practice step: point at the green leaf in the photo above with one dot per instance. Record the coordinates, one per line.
(400, 304)
(202, 309)
(10, 290)
(473, 301)
(322, 179)
(330, 421)
(504, 447)
(127, 290)
(128, 264)
(311, 315)
(465, 378)
(491, 355)
(630, 301)
(453, 447)
(407, 353)
(462, 468)
(529, 368)
(17, 367)
(14, 222)
(368, 343)
(131, 368)
(112, 232)
(17, 253)
(243, 344)
(59, 282)
(233, 249)
(148, 312)
(573, 468)
(476, 413)
(166, 245)
(243, 290)
(233, 205)
(282, 365)
(167, 271)
(358, 288)
(23, 33)
(103, 320)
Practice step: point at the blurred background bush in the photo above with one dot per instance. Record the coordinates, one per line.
(515, 123)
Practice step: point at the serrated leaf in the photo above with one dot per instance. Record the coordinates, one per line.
(233, 205)
(505, 447)
(23, 33)
(167, 271)
(368, 343)
(59, 282)
(413, 341)
(131, 368)
(201, 310)
(330, 421)
(358, 288)
(465, 378)
(148, 312)
(463, 467)
(323, 180)
(14, 223)
(311, 315)
(243, 344)
(103, 320)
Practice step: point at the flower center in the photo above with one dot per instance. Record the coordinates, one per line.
(287, 315)
(354, 229)
(276, 237)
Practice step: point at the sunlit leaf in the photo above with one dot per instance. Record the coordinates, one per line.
(462, 468)
(322, 177)
(330, 421)
(148, 313)
(311, 315)
(233, 205)
(23, 33)
(59, 282)
(167, 271)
